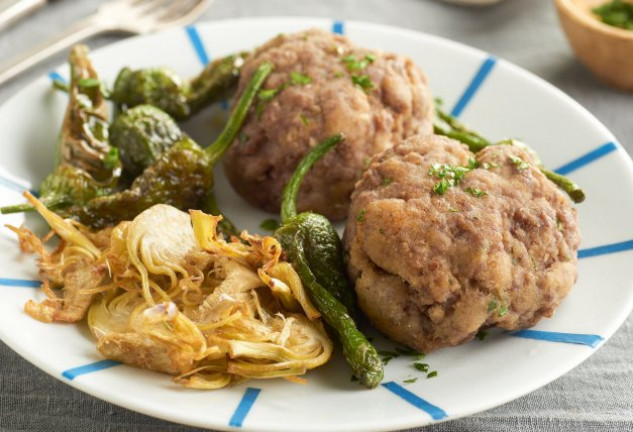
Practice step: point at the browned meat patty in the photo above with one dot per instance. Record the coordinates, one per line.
(497, 249)
(315, 74)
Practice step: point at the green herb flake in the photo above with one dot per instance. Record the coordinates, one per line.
(304, 120)
(406, 351)
(387, 356)
(520, 163)
(297, 78)
(441, 187)
(503, 311)
(361, 215)
(363, 82)
(354, 64)
(449, 175)
(269, 225)
(492, 306)
(386, 181)
(268, 94)
(453, 210)
(410, 380)
(476, 192)
(339, 74)
(111, 159)
(422, 367)
(481, 334)
(432, 374)
(242, 137)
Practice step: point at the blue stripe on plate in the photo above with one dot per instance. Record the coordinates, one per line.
(588, 158)
(606, 249)
(20, 283)
(571, 338)
(73, 373)
(475, 84)
(436, 413)
(55, 76)
(244, 406)
(194, 37)
(338, 27)
(10, 184)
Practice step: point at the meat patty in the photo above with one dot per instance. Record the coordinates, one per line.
(499, 248)
(322, 85)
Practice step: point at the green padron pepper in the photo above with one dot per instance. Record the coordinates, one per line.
(182, 176)
(86, 166)
(313, 247)
(142, 134)
(447, 125)
(179, 98)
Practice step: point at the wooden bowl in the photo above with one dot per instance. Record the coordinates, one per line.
(606, 50)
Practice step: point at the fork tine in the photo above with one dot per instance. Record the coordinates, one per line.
(152, 7)
(184, 14)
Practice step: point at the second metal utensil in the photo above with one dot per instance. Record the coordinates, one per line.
(127, 16)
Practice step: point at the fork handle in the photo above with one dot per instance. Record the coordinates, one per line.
(75, 33)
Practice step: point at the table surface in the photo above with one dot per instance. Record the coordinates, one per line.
(597, 395)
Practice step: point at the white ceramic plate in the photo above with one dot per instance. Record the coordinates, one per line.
(496, 97)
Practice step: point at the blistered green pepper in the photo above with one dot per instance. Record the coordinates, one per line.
(86, 165)
(142, 134)
(447, 125)
(182, 176)
(313, 247)
(179, 98)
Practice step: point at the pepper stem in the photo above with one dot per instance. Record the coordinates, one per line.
(291, 190)
(236, 119)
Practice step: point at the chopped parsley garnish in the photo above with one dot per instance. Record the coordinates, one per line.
(410, 380)
(363, 82)
(361, 215)
(355, 64)
(297, 78)
(492, 306)
(266, 95)
(406, 351)
(488, 165)
(111, 159)
(422, 367)
(339, 74)
(449, 175)
(269, 224)
(502, 310)
(520, 163)
(476, 192)
(432, 374)
(453, 210)
(386, 181)
(387, 356)
(304, 120)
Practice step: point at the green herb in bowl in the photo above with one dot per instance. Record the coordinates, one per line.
(616, 13)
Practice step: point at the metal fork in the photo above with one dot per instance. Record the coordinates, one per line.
(126, 16)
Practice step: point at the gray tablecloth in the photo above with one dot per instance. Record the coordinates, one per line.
(598, 395)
